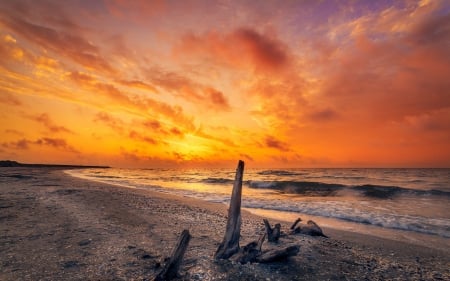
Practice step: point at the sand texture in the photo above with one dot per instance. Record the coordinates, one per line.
(55, 227)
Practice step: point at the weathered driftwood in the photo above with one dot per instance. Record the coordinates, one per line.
(250, 252)
(230, 243)
(295, 223)
(278, 254)
(311, 228)
(273, 234)
(170, 270)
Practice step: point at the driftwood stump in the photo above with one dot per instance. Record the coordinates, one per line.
(311, 228)
(250, 252)
(230, 243)
(273, 234)
(170, 270)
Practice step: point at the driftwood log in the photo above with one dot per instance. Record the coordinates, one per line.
(170, 270)
(278, 254)
(230, 243)
(252, 252)
(273, 234)
(311, 228)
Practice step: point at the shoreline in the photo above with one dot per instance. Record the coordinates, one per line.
(329, 224)
(55, 226)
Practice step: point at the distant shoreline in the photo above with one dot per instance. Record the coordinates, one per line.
(9, 163)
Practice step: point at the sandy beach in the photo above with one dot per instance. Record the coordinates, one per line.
(56, 227)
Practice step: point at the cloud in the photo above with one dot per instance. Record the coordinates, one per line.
(266, 52)
(45, 120)
(398, 75)
(13, 132)
(81, 78)
(272, 142)
(56, 143)
(138, 10)
(140, 137)
(114, 123)
(62, 42)
(242, 47)
(132, 102)
(176, 132)
(152, 124)
(20, 144)
(157, 127)
(9, 99)
(138, 85)
(24, 144)
(326, 114)
(188, 89)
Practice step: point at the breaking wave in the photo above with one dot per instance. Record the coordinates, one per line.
(326, 189)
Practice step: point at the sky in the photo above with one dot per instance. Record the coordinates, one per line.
(204, 83)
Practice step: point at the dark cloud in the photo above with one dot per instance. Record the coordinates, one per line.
(217, 99)
(176, 132)
(157, 127)
(140, 137)
(45, 120)
(246, 156)
(433, 29)
(45, 141)
(272, 142)
(152, 124)
(20, 144)
(326, 114)
(267, 52)
(114, 123)
(188, 89)
(241, 48)
(9, 99)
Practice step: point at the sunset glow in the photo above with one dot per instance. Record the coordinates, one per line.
(205, 83)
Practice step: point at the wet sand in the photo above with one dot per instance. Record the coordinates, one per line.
(55, 227)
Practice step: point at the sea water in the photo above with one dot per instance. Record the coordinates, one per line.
(409, 204)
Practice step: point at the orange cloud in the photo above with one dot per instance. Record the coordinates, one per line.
(142, 104)
(115, 123)
(188, 89)
(138, 10)
(61, 42)
(9, 100)
(137, 136)
(272, 142)
(45, 141)
(139, 85)
(45, 120)
(243, 47)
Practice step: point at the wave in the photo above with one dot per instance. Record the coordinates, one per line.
(326, 189)
(217, 181)
(298, 187)
(279, 173)
(106, 177)
(343, 211)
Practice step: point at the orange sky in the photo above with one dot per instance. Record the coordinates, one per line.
(205, 83)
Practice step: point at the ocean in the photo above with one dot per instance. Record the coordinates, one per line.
(411, 204)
